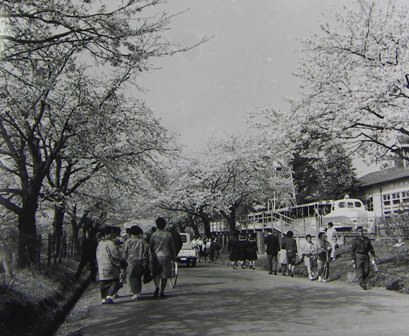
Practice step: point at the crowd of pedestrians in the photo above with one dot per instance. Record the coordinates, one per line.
(139, 257)
(134, 258)
(283, 253)
(207, 249)
(243, 249)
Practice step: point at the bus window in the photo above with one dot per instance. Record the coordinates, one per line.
(358, 205)
(350, 204)
(341, 205)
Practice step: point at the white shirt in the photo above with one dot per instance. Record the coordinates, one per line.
(332, 235)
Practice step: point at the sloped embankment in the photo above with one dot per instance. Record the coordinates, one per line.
(39, 301)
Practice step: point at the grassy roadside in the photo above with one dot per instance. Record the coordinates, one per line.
(36, 302)
(393, 266)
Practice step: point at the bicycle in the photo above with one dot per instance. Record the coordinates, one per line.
(172, 281)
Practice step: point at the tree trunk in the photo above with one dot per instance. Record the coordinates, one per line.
(75, 229)
(28, 244)
(193, 225)
(231, 219)
(206, 225)
(58, 231)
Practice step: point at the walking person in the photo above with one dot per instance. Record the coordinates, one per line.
(119, 242)
(332, 237)
(216, 247)
(88, 255)
(361, 248)
(290, 245)
(177, 238)
(234, 249)
(199, 247)
(309, 253)
(136, 253)
(282, 260)
(323, 248)
(272, 247)
(212, 250)
(243, 242)
(163, 253)
(196, 245)
(251, 251)
(207, 246)
(110, 263)
(149, 234)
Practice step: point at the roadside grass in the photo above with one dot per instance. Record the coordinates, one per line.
(32, 301)
(392, 261)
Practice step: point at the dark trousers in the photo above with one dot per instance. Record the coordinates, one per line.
(135, 273)
(272, 263)
(323, 268)
(109, 287)
(362, 267)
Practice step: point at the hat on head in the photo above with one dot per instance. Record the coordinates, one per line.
(135, 230)
(105, 230)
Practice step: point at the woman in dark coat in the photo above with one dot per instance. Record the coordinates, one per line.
(243, 244)
(234, 249)
(251, 251)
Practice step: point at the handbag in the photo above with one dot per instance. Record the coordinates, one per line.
(147, 276)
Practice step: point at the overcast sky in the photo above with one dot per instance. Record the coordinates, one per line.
(247, 65)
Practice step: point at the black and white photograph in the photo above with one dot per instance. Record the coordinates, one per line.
(204, 167)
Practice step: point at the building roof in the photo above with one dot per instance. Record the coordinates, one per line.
(384, 175)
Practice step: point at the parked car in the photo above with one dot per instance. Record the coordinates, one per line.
(187, 254)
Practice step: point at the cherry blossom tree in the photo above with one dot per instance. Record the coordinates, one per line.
(128, 157)
(53, 52)
(187, 191)
(230, 176)
(355, 81)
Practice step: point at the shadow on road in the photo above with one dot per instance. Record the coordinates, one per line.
(221, 301)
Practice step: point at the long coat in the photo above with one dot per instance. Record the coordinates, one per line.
(136, 251)
(109, 260)
(234, 248)
(272, 244)
(251, 250)
(163, 253)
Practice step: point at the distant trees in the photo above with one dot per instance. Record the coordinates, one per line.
(328, 175)
(63, 117)
(321, 169)
(233, 175)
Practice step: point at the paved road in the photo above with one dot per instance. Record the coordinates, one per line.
(217, 300)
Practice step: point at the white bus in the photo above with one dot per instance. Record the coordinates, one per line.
(346, 214)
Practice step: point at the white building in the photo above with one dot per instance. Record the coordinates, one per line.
(386, 191)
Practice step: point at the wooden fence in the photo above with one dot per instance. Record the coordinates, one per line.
(48, 250)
